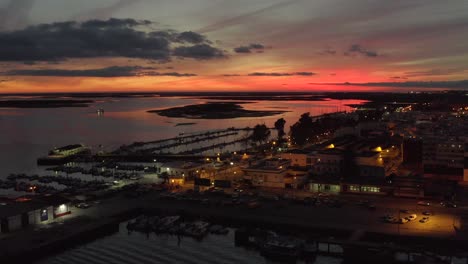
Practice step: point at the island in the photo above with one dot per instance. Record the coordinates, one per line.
(213, 110)
(185, 124)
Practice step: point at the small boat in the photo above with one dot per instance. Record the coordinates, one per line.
(218, 230)
(281, 248)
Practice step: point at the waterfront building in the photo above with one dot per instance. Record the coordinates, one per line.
(32, 212)
(68, 150)
(181, 170)
(268, 173)
(444, 157)
(298, 157)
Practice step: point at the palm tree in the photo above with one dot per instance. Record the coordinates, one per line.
(260, 133)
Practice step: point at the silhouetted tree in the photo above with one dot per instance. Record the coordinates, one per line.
(279, 126)
(302, 130)
(260, 133)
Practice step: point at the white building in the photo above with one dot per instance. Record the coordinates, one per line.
(268, 173)
(297, 157)
(18, 215)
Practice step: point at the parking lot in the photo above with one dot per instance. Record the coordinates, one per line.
(355, 212)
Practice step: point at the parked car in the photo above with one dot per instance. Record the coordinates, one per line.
(424, 203)
(426, 213)
(412, 217)
(403, 221)
(424, 220)
(83, 205)
(390, 219)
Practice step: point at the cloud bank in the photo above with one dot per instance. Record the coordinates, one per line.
(281, 74)
(249, 48)
(108, 72)
(103, 38)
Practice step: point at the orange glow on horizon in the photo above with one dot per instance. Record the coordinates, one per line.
(320, 82)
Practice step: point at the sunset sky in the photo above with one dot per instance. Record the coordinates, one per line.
(227, 45)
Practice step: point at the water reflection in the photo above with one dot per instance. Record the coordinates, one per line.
(26, 134)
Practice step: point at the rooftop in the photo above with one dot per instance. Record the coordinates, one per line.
(68, 147)
(367, 154)
(297, 151)
(181, 164)
(17, 208)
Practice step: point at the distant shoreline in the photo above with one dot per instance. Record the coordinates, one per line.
(185, 124)
(44, 103)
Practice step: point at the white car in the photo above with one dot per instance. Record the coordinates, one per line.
(403, 221)
(412, 217)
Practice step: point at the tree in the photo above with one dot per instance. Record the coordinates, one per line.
(260, 133)
(302, 130)
(279, 126)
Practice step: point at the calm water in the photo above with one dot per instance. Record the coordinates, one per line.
(26, 134)
(128, 248)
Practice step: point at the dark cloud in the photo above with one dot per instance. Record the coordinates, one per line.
(199, 51)
(462, 84)
(54, 62)
(304, 73)
(113, 23)
(433, 72)
(357, 49)
(191, 37)
(398, 78)
(270, 74)
(29, 62)
(231, 75)
(281, 74)
(102, 38)
(173, 74)
(242, 49)
(15, 14)
(249, 48)
(113, 71)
